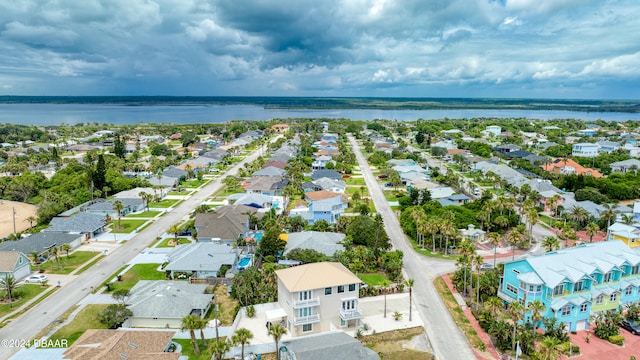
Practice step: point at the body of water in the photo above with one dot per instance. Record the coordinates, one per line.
(57, 114)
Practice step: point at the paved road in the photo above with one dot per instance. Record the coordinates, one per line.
(27, 326)
(446, 338)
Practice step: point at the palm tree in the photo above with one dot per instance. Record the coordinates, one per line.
(627, 219)
(494, 304)
(514, 238)
(219, 348)
(578, 215)
(592, 229)
(515, 310)
(118, 206)
(191, 322)
(276, 331)
(385, 287)
(550, 243)
(550, 348)
(608, 214)
(432, 227)
(145, 198)
(174, 230)
(447, 228)
(66, 247)
(494, 239)
(478, 260)
(31, 219)
(55, 251)
(36, 257)
(466, 251)
(488, 208)
(202, 324)
(502, 221)
(537, 309)
(9, 284)
(242, 337)
(409, 284)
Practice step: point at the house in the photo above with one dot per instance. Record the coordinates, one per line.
(255, 200)
(323, 242)
(441, 192)
(506, 148)
(200, 260)
(608, 146)
(459, 199)
(41, 242)
(331, 345)
(276, 163)
(175, 173)
(544, 146)
(106, 207)
(328, 209)
(565, 166)
(163, 303)
(270, 171)
(83, 223)
(336, 186)
(320, 162)
(319, 297)
(331, 174)
(584, 150)
(628, 234)
(625, 166)
(14, 263)
(280, 128)
(401, 162)
(472, 234)
(575, 283)
(265, 185)
(101, 344)
(494, 130)
(226, 225)
(586, 132)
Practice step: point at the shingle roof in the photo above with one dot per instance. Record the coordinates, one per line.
(8, 260)
(316, 276)
(323, 242)
(333, 345)
(39, 242)
(112, 344)
(270, 171)
(79, 223)
(201, 256)
(167, 299)
(332, 174)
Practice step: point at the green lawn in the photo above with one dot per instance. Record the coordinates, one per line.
(374, 279)
(391, 195)
(126, 226)
(180, 193)
(87, 318)
(21, 295)
(354, 181)
(165, 243)
(144, 214)
(166, 203)
(194, 183)
(136, 273)
(68, 264)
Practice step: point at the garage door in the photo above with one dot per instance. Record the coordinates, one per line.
(22, 273)
(581, 325)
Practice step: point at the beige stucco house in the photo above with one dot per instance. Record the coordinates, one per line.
(319, 297)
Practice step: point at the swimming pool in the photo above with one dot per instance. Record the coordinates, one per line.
(245, 262)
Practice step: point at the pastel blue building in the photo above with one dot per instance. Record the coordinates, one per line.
(575, 283)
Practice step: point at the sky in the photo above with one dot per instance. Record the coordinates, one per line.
(570, 49)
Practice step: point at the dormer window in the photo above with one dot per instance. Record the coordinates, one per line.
(608, 277)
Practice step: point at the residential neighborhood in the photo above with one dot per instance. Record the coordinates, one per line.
(304, 237)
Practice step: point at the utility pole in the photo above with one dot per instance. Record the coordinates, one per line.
(14, 222)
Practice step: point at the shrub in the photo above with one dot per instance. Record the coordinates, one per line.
(397, 315)
(568, 347)
(251, 311)
(616, 339)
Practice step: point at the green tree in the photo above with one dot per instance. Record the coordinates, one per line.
(66, 247)
(121, 296)
(276, 331)
(537, 309)
(114, 315)
(174, 230)
(119, 147)
(242, 337)
(219, 348)
(98, 175)
(191, 323)
(118, 206)
(591, 230)
(551, 243)
(409, 284)
(9, 284)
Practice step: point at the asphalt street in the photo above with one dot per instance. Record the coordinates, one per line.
(447, 340)
(30, 324)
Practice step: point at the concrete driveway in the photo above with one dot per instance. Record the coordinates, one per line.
(447, 340)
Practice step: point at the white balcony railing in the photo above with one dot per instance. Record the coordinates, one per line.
(350, 314)
(306, 303)
(301, 320)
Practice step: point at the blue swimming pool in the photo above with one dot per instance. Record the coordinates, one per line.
(245, 262)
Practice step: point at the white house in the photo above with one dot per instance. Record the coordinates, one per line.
(585, 150)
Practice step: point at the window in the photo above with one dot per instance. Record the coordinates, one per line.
(305, 312)
(558, 290)
(613, 297)
(516, 271)
(512, 289)
(600, 299)
(307, 327)
(608, 277)
(539, 288)
(340, 289)
(349, 305)
(579, 286)
(635, 269)
(352, 287)
(628, 290)
(304, 295)
(566, 310)
(523, 285)
(583, 307)
(327, 291)
(343, 323)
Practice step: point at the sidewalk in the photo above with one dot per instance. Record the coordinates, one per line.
(491, 350)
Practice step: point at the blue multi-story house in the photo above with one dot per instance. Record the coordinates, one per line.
(575, 283)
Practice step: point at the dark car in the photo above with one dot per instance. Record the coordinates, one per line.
(383, 176)
(630, 325)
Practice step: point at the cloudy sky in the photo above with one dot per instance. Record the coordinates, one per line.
(421, 48)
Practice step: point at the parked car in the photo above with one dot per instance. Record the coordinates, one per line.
(36, 279)
(476, 191)
(631, 326)
(383, 176)
(486, 266)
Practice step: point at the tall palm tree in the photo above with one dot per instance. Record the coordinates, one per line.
(555, 202)
(494, 239)
(276, 331)
(432, 227)
(31, 219)
(66, 247)
(591, 230)
(242, 337)
(532, 218)
(488, 207)
(515, 311)
(551, 243)
(385, 288)
(578, 215)
(191, 322)
(202, 324)
(608, 215)
(118, 206)
(409, 284)
(478, 260)
(174, 230)
(219, 348)
(537, 309)
(514, 238)
(9, 284)
(550, 348)
(466, 251)
(448, 229)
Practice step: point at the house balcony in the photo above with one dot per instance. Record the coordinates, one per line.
(309, 319)
(350, 314)
(506, 297)
(298, 304)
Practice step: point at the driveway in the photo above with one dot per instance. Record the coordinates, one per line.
(447, 340)
(49, 310)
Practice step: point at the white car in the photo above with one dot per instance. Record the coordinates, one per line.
(36, 279)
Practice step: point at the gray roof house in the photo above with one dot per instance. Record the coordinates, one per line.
(270, 171)
(625, 165)
(105, 207)
(337, 186)
(80, 223)
(42, 241)
(331, 345)
(266, 185)
(174, 172)
(227, 224)
(202, 259)
(323, 242)
(332, 174)
(14, 263)
(163, 303)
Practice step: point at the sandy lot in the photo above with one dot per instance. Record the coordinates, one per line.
(23, 211)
